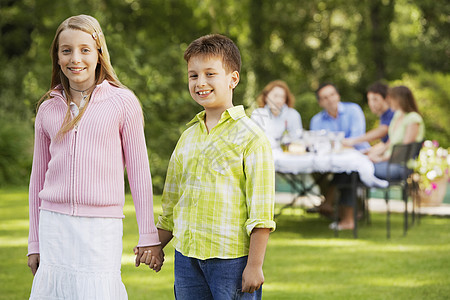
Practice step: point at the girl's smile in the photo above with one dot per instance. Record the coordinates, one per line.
(76, 70)
(78, 58)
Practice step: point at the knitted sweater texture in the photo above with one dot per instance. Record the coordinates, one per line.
(83, 174)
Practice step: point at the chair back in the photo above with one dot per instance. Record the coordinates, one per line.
(415, 149)
(400, 154)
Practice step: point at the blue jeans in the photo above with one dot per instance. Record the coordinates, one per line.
(215, 278)
(396, 171)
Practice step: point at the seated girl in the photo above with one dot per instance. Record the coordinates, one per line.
(406, 127)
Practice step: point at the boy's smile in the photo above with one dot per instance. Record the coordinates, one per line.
(209, 83)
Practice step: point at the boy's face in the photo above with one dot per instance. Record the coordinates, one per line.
(209, 83)
(376, 103)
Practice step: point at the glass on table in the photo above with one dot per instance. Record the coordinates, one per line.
(322, 143)
(318, 141)
(336, 138)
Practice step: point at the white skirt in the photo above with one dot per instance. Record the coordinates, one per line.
(80, 258)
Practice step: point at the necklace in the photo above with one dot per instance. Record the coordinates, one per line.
(81, 91)
(83, 100)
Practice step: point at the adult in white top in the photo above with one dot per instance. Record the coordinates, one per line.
(276, 113)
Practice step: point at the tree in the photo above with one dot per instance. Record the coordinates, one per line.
(351, 43)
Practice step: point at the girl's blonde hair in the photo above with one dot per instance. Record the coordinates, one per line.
(262, 98)
(103, 71)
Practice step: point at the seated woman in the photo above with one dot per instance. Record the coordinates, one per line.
(276, 113)
(406, 127)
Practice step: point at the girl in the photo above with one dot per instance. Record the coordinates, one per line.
(406, 127)
(276, 114)
(87, 130)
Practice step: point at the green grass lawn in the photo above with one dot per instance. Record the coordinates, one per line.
(303, 260)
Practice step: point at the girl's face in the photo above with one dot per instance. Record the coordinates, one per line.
(276, 98)
(393, 103)
(78, 58)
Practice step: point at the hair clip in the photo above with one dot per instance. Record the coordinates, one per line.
(95, 35)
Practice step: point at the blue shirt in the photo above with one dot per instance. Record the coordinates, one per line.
(385, 119)
(350, 120)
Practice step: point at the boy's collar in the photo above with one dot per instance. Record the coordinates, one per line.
(235, 112)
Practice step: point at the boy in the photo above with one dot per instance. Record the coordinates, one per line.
(378, 104)
(219, 193)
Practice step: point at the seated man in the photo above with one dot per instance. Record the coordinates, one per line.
(378, 104)
(338, 116)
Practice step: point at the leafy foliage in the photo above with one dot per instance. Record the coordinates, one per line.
(351, 43)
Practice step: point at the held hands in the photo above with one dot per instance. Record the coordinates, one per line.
(376, 153)
(153, 256)
(348, 142)
(33, 262)
(252, 278)
(375, 157)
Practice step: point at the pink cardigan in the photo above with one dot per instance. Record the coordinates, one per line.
(83, 174)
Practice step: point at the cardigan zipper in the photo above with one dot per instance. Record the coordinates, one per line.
(72, 204)
(75, 129)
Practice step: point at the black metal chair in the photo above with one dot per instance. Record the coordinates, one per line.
(414, 185)
(401, 155)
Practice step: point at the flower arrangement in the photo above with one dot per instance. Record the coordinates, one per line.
(431, 165)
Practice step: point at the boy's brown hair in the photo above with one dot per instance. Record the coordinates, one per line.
(379, 88)
(216, 45)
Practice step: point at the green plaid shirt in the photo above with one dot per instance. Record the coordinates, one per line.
(219, 187)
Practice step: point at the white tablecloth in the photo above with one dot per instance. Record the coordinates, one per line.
(347, 161)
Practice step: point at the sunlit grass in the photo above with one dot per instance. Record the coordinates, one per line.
(6, 242)
(14, 224)
(303, 261)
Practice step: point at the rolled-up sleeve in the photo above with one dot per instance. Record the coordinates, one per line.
(260, 186)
